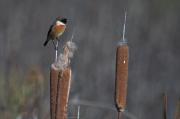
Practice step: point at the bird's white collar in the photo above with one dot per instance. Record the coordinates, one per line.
(59, 23)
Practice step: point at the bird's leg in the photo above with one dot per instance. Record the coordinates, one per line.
(54, 44)
(56, 48)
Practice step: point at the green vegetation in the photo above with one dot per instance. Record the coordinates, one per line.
(21, 96)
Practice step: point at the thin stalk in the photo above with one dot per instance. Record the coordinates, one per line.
(165, 106)
(78, 113)
(124, 28)
(119, 115)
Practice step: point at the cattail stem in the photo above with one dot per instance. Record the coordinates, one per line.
(59, 92)
(165, 106)
(119, 115)
(78, 113)
(122, 56)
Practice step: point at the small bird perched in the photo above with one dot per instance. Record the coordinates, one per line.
(56, 30)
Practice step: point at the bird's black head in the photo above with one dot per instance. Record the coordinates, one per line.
(63, 20)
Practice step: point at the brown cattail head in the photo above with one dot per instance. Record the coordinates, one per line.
(122, 56)
(53, 91)
(59, 92)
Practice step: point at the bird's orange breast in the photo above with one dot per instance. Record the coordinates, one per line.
(58, 30)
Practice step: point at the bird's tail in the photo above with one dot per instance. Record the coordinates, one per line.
(45, 43)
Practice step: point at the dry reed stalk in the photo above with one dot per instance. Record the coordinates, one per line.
(165, 106)
(119, 115)
(59, 91)
(177, 114)
(122, 56)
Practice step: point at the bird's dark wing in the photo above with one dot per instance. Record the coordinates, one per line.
(49, 32)
(48, 36)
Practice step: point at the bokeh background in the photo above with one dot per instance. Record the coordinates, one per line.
(153, 34)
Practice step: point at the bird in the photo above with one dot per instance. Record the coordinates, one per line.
(56, 30)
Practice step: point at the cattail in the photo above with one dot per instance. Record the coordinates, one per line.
(165, 106)
(177, 114)
(60, 81)
(60, 88)
(122, 55)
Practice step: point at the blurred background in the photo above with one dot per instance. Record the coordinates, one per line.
(153, 34)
